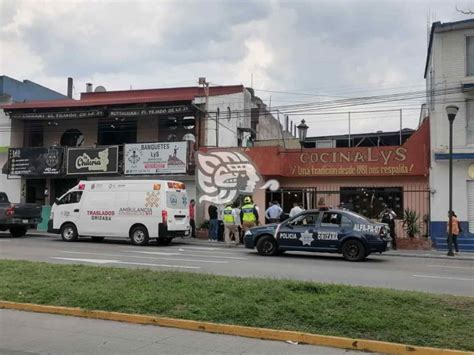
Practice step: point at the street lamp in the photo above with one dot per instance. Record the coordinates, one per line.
(302, 131)
(451, 111)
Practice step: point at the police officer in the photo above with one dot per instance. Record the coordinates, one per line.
(230, 224)
(248, 214)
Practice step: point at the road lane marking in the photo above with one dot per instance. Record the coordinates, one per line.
(104, 261)
(160, 265)
(444, 277)
(95, 261)
(193, 255)
(147, 257)
(453, 267)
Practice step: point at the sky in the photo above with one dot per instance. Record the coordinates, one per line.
(288, 51)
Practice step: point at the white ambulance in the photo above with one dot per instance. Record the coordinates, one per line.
(137, 209)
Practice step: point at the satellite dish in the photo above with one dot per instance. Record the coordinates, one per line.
(100, 88)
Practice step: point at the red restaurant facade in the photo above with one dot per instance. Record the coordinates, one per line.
(363, 179)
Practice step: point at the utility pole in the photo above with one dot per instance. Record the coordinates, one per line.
(205, 85)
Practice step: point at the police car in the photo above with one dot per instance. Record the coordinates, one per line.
(323, 230)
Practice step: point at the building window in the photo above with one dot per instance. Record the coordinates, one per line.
(470, 56)
(33, 134)
(72, 138)
(370, 202)
(287, 197)
(117, 132)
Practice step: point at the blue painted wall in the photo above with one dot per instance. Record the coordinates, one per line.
(439, 236)
(26, 90)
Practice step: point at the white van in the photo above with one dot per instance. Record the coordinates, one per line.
(137, 209)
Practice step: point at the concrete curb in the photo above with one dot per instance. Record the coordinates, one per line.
(249, 332)
(429, 256)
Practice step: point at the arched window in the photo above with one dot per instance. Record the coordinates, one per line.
(72, 138)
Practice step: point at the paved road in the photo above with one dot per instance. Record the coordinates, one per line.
(431, 275)
(24, 333)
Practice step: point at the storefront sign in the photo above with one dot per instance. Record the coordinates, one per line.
(57, 115)
(367, 161)
(92, 161)
(155, 158)
(35, 161)
(164, 110)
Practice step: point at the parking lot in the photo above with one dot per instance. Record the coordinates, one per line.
(421, 274)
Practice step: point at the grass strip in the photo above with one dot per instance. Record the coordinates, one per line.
(358, 312)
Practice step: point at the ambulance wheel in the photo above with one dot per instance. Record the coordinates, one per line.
(139, 235)
(97, 239)
(69, 232)
(267, 246)
(353, 250)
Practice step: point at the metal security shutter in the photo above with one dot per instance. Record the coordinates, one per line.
(470, 205)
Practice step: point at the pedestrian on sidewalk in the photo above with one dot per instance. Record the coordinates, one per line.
(273, 213)
(454, 229)
(388, 216)
(295, 210)
(248, 214)
(229, 217)
(192, 221)
(213, 223)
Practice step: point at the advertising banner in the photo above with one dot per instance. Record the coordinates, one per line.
(155, 158)
(92, 161)
(35, 161)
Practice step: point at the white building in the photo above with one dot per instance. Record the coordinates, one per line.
(449, 75)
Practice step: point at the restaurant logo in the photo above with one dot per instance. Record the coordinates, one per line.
(92, 160)
(134, 156)
(93, 164)
(223, 175)
(52, 158)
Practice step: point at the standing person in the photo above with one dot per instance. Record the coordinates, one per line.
(213, 223)
(295, 210)
(273, 213)
(239, 235)
(192, 221)
(230, 226)
(388, 216)
(455, 230)
(248, 214)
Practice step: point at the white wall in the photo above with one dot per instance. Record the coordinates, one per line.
(447, 70)
(10, 186)
(239, 104)
(439, 180)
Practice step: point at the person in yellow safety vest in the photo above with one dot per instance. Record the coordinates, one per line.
(248, 214)
(230, 224)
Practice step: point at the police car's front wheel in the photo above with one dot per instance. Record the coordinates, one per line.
(267, 246)
(353, 250)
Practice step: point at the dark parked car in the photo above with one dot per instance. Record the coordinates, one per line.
(325, 230)
(18, 218)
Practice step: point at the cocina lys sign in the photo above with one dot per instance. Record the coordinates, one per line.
(350, 156)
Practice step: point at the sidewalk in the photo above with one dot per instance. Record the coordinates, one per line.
(27, 333)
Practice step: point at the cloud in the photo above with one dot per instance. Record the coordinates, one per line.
(339, 48)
